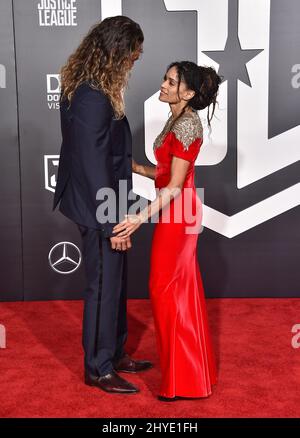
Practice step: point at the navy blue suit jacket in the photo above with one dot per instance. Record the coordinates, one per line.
(96, 152)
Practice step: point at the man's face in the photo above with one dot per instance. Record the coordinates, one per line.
(136, 54)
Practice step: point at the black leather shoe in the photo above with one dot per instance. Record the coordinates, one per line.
(167, 399)
(111, 383)
(128, 365)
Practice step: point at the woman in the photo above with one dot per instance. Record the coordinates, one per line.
(176, 289)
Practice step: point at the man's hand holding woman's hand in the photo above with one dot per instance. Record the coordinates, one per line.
(120, 244)
(121, 241)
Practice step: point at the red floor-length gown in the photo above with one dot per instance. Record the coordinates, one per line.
(176, 290)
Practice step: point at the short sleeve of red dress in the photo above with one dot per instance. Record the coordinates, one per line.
(186, 137)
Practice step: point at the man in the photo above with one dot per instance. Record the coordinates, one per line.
(96, 154)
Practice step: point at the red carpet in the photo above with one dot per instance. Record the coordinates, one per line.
(259, 370)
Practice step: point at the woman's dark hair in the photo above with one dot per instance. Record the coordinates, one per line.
(205, 81)
(104, 59)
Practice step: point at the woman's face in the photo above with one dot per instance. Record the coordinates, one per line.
(169, 91)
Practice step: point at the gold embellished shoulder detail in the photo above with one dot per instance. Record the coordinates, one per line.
(188, 128)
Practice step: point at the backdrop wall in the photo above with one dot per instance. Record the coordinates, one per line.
(248, 169)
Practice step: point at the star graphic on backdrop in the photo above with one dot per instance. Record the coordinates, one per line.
(233, 59)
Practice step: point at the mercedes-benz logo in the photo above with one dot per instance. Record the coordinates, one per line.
(64, 258)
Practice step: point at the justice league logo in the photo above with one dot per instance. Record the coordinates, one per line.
(255, 134)
(57, 13)
(252, 157)
(50, 171)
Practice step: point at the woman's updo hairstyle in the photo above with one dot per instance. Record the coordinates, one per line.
(205, 81)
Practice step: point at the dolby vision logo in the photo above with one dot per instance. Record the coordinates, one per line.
(53, 91)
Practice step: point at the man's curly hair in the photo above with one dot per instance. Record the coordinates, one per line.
(104, 59)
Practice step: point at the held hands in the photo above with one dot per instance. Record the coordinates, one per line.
(128, 226)
(120, 244)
